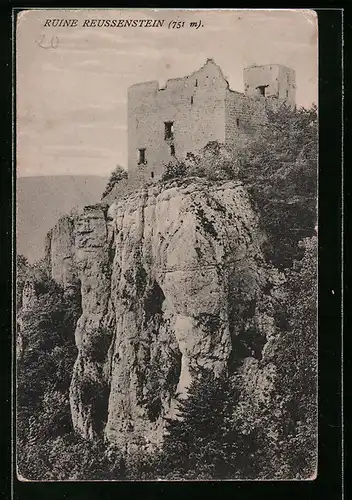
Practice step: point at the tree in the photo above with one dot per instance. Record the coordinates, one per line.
(43, 371)
(297, 362)
(202, 443)
(288, 136)
(279, 167)
(285, 424)
(117, 175)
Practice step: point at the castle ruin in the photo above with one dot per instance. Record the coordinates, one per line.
(182, 117)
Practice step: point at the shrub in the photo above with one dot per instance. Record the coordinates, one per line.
(70, 458)
(215, 162)
(174, 170)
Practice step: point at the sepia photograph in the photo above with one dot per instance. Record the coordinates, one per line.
(166, 245)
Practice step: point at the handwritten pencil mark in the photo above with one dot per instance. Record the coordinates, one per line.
(44, 43)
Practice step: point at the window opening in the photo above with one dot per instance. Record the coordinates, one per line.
(191, 99)
(141, 156)
(152, 175)
(172, 150)
(169, 130)
(237, 122)
(262, 89)
(196, 84)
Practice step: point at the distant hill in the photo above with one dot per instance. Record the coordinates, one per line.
(42, 200)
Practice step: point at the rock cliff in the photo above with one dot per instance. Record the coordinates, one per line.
(172, 280)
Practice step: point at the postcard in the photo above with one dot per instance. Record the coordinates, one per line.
(166, 233)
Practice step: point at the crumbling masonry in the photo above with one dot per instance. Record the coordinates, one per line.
(166, 123)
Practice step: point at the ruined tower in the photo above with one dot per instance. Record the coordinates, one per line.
(271, 81)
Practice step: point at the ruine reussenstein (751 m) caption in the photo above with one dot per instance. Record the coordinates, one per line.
(121, 23)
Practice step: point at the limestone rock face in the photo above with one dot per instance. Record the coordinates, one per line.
(172, 280)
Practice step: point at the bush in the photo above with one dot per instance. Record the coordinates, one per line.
(214, 162)
(174, 170)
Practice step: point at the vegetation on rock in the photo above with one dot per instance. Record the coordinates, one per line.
(279, 169)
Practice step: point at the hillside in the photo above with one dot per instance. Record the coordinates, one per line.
(42, 200)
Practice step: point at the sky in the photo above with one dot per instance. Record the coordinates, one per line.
(71, 82)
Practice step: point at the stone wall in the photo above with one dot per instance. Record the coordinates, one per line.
(196, 106)
(287, 87)
(244, 117)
